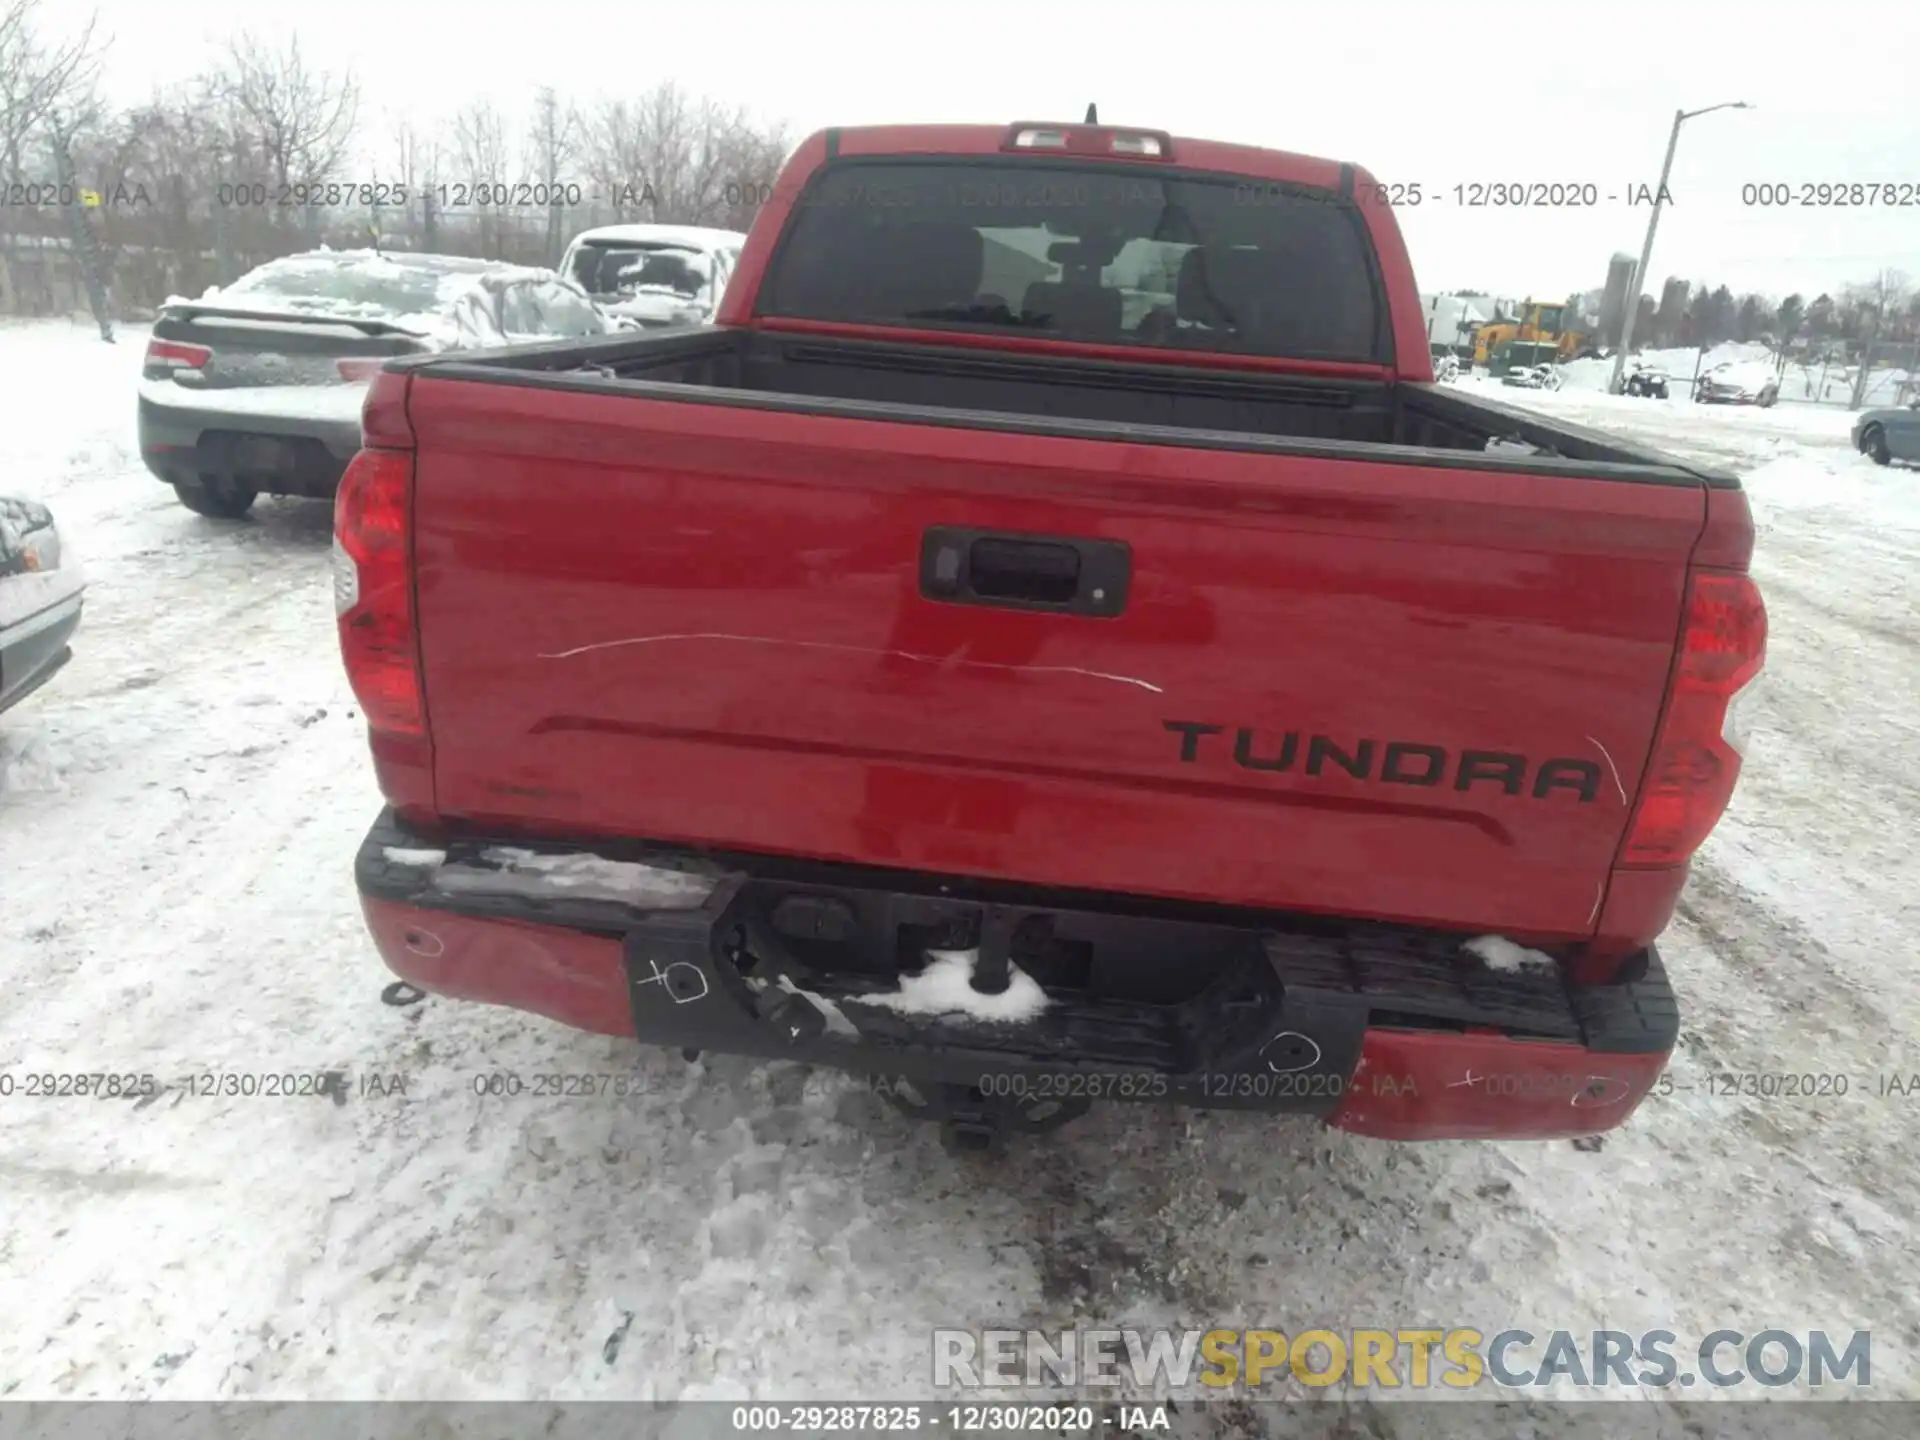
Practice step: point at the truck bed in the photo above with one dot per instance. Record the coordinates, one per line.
(1131, 401)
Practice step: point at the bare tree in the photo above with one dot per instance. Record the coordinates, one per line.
(551, 150)
(1876, 301)
(481, 159)
(172, 144)
(611, 140)
(35, 79)
(408, 171)
(47, 97)
(300, 119)
(675, 158)
(751, 157)
(206, 156)
(417, 161)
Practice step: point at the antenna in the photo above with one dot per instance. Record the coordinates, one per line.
(1093, 115)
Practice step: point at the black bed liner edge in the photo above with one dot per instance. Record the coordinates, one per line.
(536, 366)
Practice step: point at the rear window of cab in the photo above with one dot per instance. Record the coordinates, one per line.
(1084, 251)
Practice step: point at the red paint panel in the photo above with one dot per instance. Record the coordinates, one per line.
(1420, 1085)
(703, 624)
(568, 976)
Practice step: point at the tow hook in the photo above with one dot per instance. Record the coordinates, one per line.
(972, 1123)
(972, 1137)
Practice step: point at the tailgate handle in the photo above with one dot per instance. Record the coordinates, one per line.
(1054, 573)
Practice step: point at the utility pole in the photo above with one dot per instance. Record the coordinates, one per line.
(1680, 117)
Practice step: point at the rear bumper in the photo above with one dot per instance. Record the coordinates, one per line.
(1384, 1031)
(186, 441)
(35, 648)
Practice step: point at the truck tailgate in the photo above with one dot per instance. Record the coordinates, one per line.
(705, 624)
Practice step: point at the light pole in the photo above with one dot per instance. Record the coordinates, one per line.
(1680, 117)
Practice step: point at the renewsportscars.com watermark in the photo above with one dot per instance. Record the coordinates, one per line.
(1405, 1359)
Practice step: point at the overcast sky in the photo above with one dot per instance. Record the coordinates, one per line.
(1441, 94)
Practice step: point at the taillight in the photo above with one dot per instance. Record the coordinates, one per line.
(1697, 753)
(373, 591)
(358, 369)
(164, 357)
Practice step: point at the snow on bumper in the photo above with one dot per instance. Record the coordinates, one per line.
(1383, 1031)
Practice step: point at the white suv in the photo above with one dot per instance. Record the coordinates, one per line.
(649, 276)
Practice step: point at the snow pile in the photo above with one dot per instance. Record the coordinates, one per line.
(30, 763)
(1590, 374)
(71, 383)
(1753, 374)
(578, 877)
(1497, 952)
(945, 987)
(831, 1014)
(1822, 384)
(422, 859)
(1680, 364)
(1833, 385)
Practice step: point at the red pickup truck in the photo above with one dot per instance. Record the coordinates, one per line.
(1049, 640)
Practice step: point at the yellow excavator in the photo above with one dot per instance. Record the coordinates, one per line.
(1536, 338)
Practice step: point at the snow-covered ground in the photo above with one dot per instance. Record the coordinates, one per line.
(178, 816)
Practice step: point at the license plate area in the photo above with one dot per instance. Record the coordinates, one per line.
(262, 455)
(1138, 1007)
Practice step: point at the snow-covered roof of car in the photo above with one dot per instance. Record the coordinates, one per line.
(407, 288)
(694, 237)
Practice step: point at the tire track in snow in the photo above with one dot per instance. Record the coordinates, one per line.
(1789, 968)
(1902, 637)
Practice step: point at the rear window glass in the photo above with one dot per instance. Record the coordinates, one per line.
(1088, 253)
(627, 271)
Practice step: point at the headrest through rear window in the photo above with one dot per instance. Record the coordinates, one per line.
(1287, 300)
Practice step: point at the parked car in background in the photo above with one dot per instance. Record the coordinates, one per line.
(1534, 377)
(256, 388)
(650, 276)
(1648, 380)
(1890, 434)
(42, 587)
(1738, 382)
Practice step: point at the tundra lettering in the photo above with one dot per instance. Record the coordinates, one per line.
(1404, 762)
